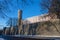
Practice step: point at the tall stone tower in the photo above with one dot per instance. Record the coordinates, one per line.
(19, 21)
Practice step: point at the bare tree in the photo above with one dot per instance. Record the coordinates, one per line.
(12, 22)
(45, 4)
(5, 6)
(53, 6)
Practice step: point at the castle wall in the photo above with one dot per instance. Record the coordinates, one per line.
(37, 19)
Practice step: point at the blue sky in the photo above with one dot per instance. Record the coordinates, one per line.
(28, 10)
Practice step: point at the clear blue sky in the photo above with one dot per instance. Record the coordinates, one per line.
(28, 10)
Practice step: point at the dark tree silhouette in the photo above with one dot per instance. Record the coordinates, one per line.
(53, 6)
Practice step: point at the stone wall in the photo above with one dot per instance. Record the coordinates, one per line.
(39, 18)
(51, 27)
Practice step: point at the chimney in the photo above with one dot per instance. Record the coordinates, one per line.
(19, 21)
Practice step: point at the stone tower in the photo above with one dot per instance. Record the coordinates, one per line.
(19, 21)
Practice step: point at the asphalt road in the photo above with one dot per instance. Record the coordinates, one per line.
(5, 37)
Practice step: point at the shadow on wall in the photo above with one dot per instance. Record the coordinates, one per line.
(32, 29)
(29, 28)
(44, 28)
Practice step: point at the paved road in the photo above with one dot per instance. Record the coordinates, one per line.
(4, 37)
